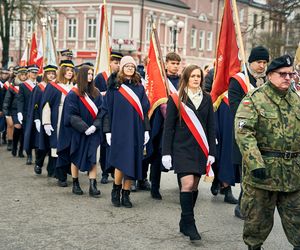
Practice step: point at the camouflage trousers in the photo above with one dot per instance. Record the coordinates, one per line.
(258, 206)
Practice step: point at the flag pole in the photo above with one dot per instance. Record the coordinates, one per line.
(240, 40)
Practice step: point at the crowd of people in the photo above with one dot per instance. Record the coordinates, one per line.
(68, 112)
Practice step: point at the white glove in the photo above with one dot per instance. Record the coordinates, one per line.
(90, 130)
(20, 117)
(108, 138)
(146, 137)
(37, 125)
(210, 160)
(48, 128)
(167, 161)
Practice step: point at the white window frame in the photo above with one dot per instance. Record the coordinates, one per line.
(122, 19)
(209, 39)
(193, 38)
(73, 26)
(148, 31)
(201, 40)
(91, 23)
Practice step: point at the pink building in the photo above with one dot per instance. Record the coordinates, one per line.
(75, 26)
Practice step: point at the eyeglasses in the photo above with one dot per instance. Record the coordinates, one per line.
(285, 74)
(129, 66)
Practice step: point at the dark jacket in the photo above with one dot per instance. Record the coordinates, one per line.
(178, 141)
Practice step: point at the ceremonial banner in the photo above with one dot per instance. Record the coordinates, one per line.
(227, 61)
(33, 50)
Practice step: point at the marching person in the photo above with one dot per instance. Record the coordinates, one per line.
(126, 126)
(256, 71)
(10, 108)
(79, 135)
(101, 84)
(33, 128)
(267, 130)
(180, 136)
(52, 105)
(24, 95)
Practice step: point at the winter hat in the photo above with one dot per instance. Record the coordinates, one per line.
(125, 60)
(280, 62)
(258, 53)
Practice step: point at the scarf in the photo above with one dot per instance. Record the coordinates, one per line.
(259, 77)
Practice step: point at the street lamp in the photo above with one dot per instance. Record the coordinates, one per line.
(120, 43)
(175, 27)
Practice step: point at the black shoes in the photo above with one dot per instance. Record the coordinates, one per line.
(229, 198)
(29, 160)
(125, 200)
(144, 185)
(104, 179)
(9, 145)
(76, 187)
(155, 194)
(37, 169)
(62, 183)
(215, 187)
(116, 195)
(238, 213)
(14, 152)
(93, 191)
(20, 154)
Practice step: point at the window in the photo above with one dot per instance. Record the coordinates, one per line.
(193, 38)
(121, 29)
(54, 27)
(148, 31)
(262, 25)
(242, 13)
(12, 29)
(91, 28)
(255, 20)
(72, 23)
(209, 41)
(201, 40)
(29, 26)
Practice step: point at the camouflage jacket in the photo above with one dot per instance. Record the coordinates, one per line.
(269, 120)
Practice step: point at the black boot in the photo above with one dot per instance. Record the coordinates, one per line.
(229, 198)
(76, 187)
(37, 169)
(14, 152)
(9, 145)
(116, 195)
(29, 160)
(254, 248)
(125, 200)
(297, 248)
(155, 176)
(94, 192)
(215, 186)
(195, 197)
(187, 223)
(144, 185)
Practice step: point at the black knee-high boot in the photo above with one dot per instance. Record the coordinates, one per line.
(16, 137)
(195, 196)
(187, 223)
(21, 139)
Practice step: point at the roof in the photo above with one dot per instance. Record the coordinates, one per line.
(176, 3)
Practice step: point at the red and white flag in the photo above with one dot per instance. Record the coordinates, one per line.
(227, 61)
(40, 57)
(103, 54)
(24, 59)
(33, 50)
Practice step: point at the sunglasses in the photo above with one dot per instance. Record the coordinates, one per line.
(285, 74)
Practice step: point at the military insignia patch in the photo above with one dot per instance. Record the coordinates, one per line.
(242, 124)
(288, 60)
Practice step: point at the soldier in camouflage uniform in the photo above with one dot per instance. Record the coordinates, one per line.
(267, 129)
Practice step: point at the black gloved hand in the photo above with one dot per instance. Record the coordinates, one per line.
(259, 173)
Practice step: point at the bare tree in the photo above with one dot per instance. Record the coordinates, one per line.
(16, 10)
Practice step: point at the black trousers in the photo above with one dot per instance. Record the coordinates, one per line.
(103, 157)
(40, 158)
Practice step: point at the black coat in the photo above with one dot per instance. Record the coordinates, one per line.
(23, 100)
(178, 141)
(10, 105)
(235, 96)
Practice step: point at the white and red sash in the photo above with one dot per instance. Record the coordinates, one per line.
(225, 98)
(29, 85)
(42, 86)
(195, 128)
(133, 99)
(60, 88)
(87, 102)
(6, 85)
(241, 78)
(14, 88)
(171, 87)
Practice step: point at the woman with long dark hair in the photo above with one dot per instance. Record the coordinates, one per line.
(189, 142)
(81, 115)
(126, 126)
